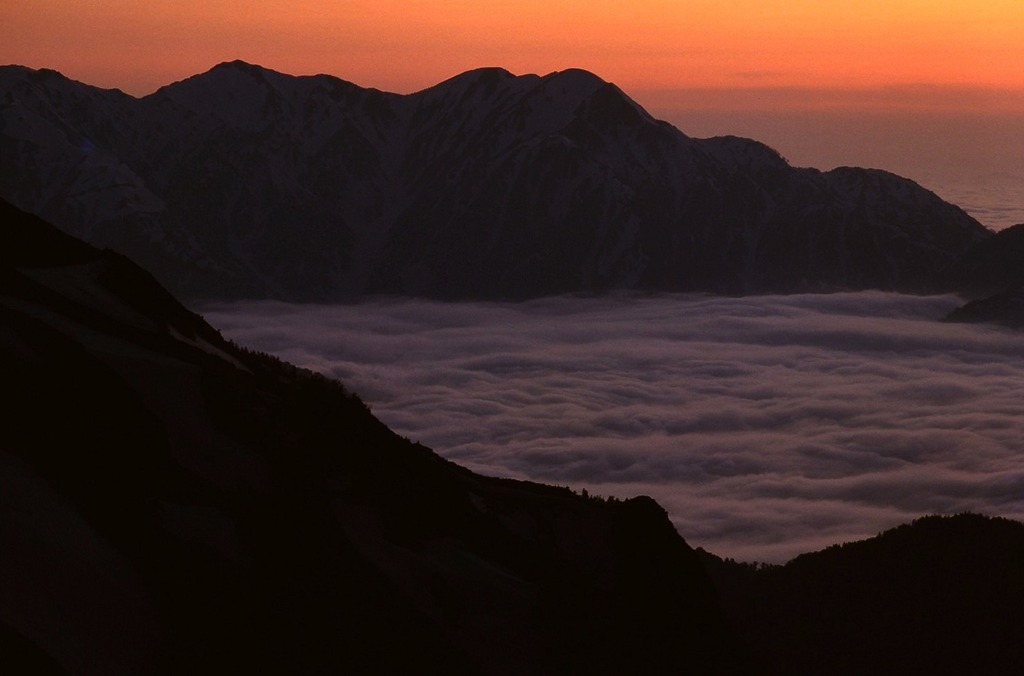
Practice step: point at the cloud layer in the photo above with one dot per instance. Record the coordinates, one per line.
(766, 426)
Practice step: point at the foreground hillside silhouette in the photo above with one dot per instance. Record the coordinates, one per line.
(173, 503)
(940, 596)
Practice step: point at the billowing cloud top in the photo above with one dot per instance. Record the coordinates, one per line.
(767, 426)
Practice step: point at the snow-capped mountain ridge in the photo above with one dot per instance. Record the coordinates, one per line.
(243, 181)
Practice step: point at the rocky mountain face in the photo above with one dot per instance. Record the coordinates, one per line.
(247, 182)
(175, 504)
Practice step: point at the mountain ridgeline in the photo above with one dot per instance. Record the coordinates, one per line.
(245, 182)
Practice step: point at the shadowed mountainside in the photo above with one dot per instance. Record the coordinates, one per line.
(1005, 307)
(942, 595)
(244, 182)
(993, 265)
(175, 504)
(993, 272)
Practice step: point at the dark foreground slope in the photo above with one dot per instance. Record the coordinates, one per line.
(174, 504)
(943, 595)
(245, 182)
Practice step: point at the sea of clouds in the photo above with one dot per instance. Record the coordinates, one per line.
(766, 426)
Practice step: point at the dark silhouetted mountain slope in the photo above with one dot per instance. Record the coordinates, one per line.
(992, 273)
(246, 182)
(174, 504)
(993, 265)
(942, 595)
(1005, 307)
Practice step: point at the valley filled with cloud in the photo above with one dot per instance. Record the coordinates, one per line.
(766, 426)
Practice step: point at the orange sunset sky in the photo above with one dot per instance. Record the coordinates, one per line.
(930, 89)
(932, 53)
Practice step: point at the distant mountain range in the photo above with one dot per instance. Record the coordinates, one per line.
(172, 503)
(245, 182)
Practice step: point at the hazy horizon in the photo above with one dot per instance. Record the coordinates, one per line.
(972, 159)
(766, 426)
(645, 45)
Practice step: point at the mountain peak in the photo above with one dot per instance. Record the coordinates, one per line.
(485, 80)
(233, 91)
(578, 75)
(573, 81)
(239, 65)
(487, 72)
